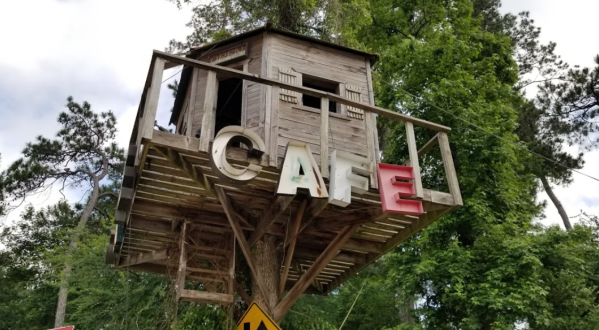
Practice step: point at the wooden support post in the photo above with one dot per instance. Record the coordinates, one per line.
(242, 294)
(208, 120)
(180, 286)
(315, 206)
(305, 281)
(291, 237)
(414, 163)
(452, 178)
(324, 137)
(243, 244)
(271, 213)
(151, 106)
(274, 128)
(231, 284)
(192, 102)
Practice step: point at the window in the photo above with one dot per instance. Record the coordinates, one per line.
(321, 85)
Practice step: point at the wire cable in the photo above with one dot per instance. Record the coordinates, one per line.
(487, 131)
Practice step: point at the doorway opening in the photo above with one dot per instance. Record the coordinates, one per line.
(228, 104)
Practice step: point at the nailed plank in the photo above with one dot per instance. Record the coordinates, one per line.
(304, 282)
(242, 294)
(192, 103)
(181, 270)
(300, 89)
(452, 178)
(185, 166)
(414, 163)
(243, 244)
(151, 105)
(274, 127)
(292, 233)
(210, 101)
(142, 258)
(205, 297)
(324, 137)
(269, 216)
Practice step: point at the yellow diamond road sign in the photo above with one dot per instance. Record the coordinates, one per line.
(256, 319)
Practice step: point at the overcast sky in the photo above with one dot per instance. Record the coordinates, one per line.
(99, 51)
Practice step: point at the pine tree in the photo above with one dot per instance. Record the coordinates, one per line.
(82, 155)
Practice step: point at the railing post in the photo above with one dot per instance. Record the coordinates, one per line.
(274, 127)
(452, 178)
(208, 120)
(414, 163)
(324, 137)
(151, 106)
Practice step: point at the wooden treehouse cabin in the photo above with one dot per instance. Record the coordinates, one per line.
(271, 184)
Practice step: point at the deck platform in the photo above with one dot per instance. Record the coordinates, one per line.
(169, 192)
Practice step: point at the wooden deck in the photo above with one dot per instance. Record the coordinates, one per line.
(169, 193)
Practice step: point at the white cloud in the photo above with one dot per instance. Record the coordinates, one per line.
(95, 50)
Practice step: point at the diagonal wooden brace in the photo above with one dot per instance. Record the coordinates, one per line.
(243, 243)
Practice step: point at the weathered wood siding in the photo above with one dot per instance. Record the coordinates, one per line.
(251, 94)
(295, 122)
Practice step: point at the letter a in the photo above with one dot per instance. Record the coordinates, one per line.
(300, 171)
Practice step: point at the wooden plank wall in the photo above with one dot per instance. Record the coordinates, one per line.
(251, 94)
(303, 125)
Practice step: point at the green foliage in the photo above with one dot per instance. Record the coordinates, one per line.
(572, 104)
(334, 20)
(84, 149)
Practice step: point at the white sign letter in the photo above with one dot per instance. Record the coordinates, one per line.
(300, 171)
(218, 154)
(348, 173)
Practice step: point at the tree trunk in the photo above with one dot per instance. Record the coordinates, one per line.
(556, 202)
(268, 264)
(64, 278)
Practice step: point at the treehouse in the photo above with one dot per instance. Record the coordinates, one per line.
(270, 186)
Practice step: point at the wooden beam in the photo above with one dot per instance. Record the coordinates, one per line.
(230, 282)
(315, 206)
(242, 294)
(182, 269)
(452, 178)
(414, 163)
(186, 167)
(343, 256)
(142, 258)
(208, 120)
(206, 297)
(274, 127)
(192, 102)
(428, 145)
(409, 231)
(324, 137)
(304, 282)
(243, 244)
(278, 205)
(151, 105)
(291, 237)
(300, 89)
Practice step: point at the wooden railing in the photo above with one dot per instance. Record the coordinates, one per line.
(144, 125)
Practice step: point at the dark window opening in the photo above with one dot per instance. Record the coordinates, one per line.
(321, 85)
(228, 104)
